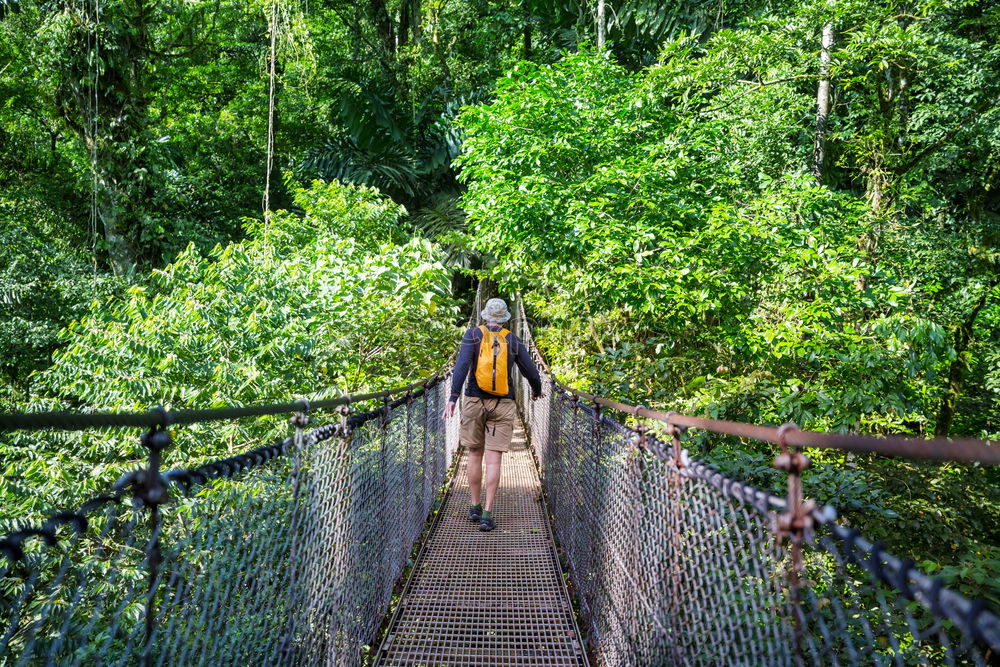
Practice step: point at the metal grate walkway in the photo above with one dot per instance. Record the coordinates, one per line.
(494, 598)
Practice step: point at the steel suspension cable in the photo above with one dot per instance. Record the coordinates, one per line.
(69, 421)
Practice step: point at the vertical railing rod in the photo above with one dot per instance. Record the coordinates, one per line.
(596, 534)
(151, 490)
(417, 517)
(300, 420)
(340, 616)
(425, 462)
(574, 496)
(638, 510)
(383, 490)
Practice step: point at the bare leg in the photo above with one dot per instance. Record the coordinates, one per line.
(474, 471)
(492, 477)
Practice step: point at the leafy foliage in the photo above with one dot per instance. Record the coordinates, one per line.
(444, 221)
(317, 305)
(667, 227)
(619, 203)
(46, 279)
(655, 201)
(410, 160)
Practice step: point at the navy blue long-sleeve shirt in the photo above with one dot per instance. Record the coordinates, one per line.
(465, 366)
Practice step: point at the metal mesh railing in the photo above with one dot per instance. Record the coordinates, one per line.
(285, 555)
(288, 554)
(675, 564)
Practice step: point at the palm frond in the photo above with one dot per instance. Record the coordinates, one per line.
(390, 168)
(445, 222)
(442, 216)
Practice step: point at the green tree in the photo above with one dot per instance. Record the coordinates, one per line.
(667, 228)
(318, 304)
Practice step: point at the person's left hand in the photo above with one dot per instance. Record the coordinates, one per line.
(449, 410)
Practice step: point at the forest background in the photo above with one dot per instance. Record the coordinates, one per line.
(752, 210)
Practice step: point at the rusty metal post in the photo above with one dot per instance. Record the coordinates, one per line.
(642, 442)
(794, 524)
(385, 512)
(409, 494)
(555, 430)
(596, 504)
(425, 463)
(674, 431)
(634, 617)
(575, 458)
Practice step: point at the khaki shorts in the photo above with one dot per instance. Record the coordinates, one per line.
(489, 422)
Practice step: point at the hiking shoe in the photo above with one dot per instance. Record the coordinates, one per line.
(487, 523)
(475, 513)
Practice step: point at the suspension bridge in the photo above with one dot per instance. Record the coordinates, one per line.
(345, 544)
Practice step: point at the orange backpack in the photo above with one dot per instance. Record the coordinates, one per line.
(491, 367)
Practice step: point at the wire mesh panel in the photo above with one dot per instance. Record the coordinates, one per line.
(861, 605)
(285, 555)
(288, 554)
(224, 581)
(676, 564)
(79, 600)
(670, 568)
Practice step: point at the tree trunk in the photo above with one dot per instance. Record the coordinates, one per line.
(120, 255)
(416, 15)
(956, 373)
(274, 185)
(272, 107)
(822, 103)
(405, 12)
(111, 118)
(383, 25)
(601, 24)
(880, 185)
(526, 34)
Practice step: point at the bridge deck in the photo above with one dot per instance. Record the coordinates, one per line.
(492, 598)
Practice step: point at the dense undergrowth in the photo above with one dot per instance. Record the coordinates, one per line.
(329, 301)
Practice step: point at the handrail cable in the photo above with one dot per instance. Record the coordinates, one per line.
(68, 421)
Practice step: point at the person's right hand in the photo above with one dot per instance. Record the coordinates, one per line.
(449, 410)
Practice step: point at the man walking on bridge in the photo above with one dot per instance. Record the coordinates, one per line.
(486, 357)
